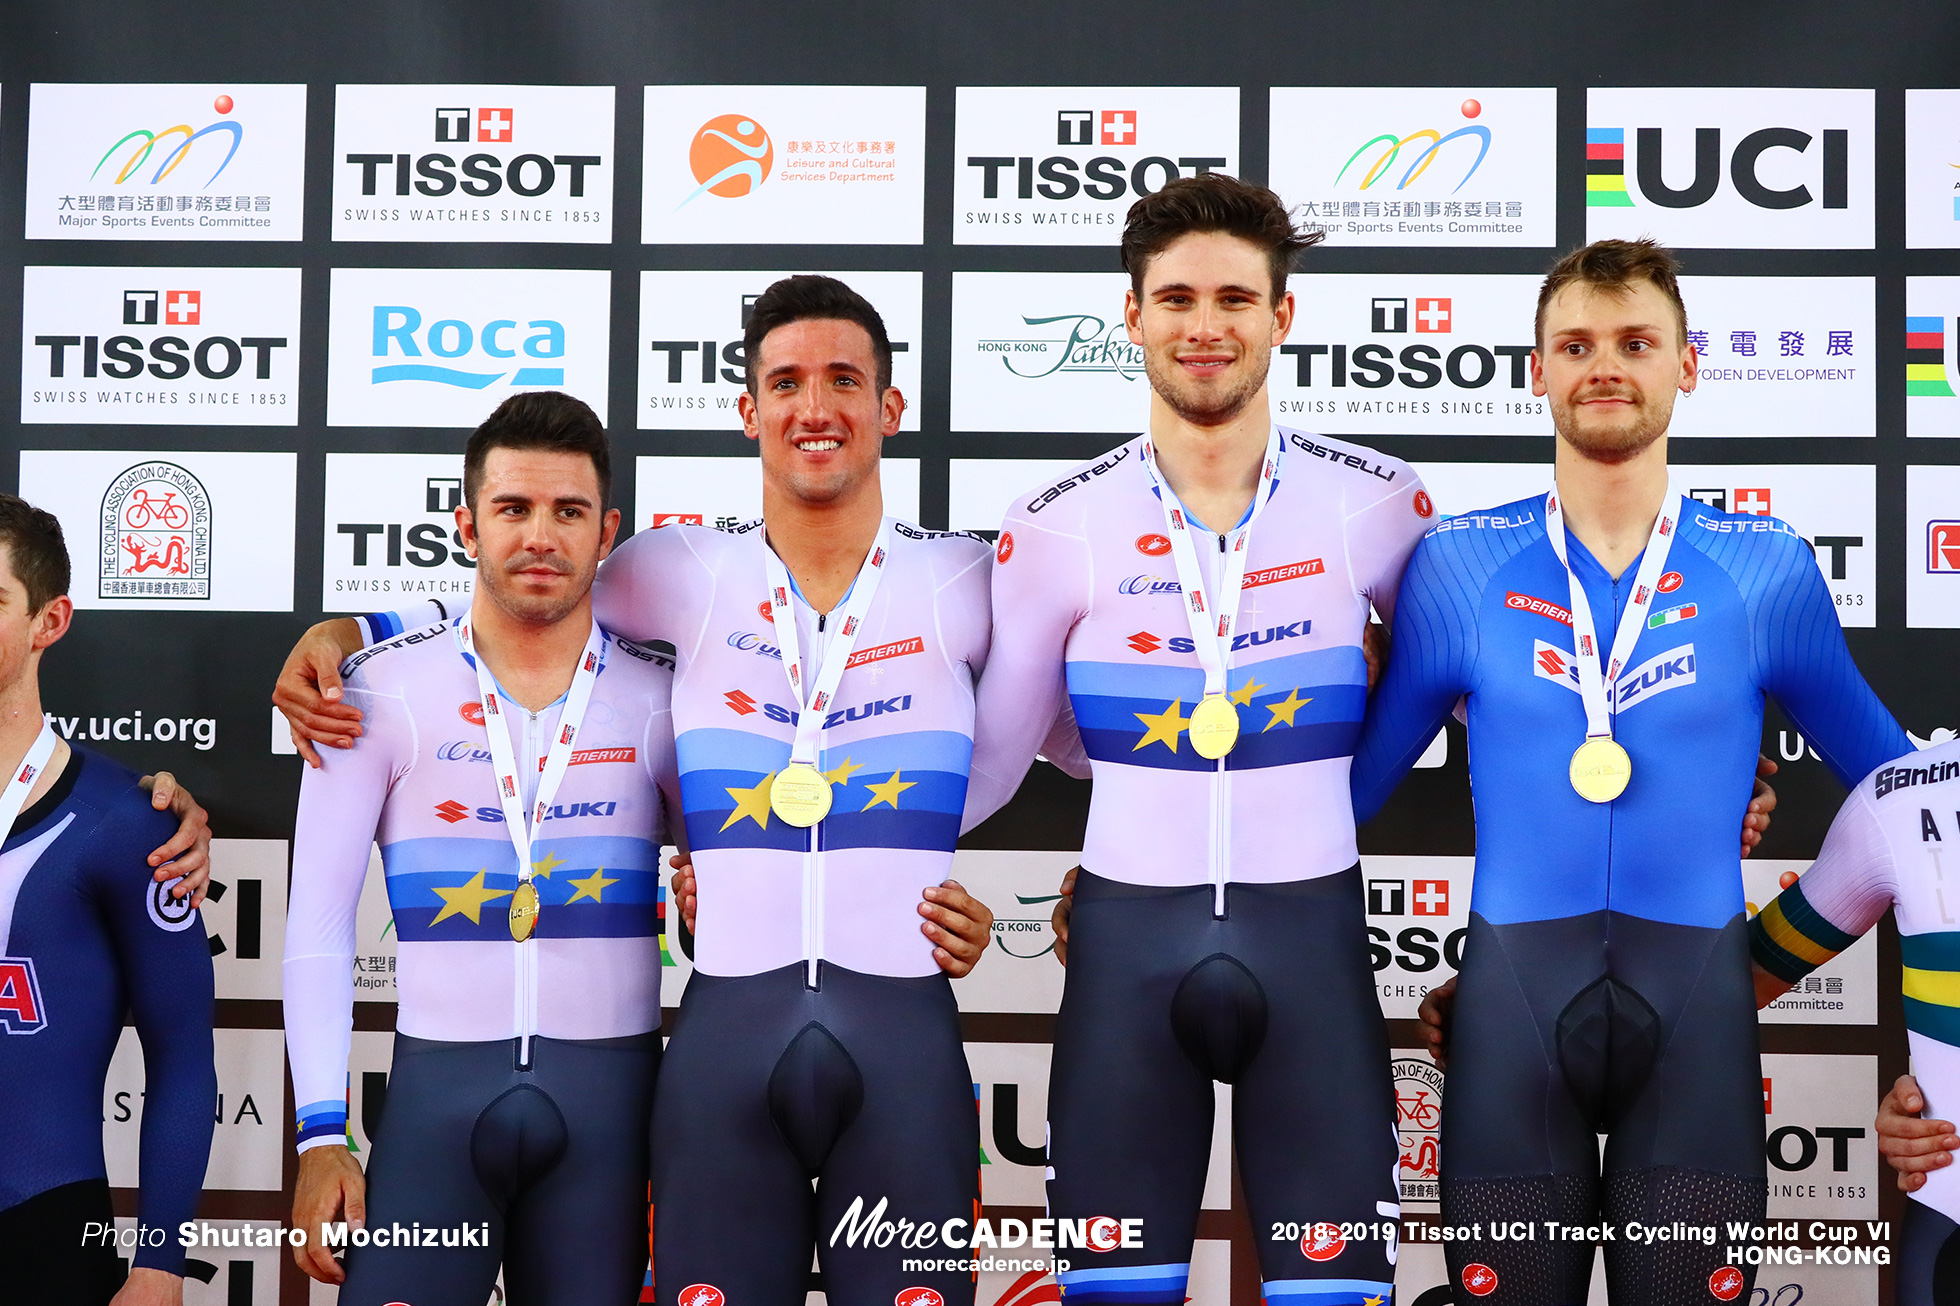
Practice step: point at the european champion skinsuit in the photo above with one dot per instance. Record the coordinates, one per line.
(817, 1039)
(523, 1072)
(1888, 849)
(1218, 929)
(1605, 985)
(85, 935)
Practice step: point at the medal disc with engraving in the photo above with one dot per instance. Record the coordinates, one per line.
(800, 795)
(1214, 726)
(1600, 770)
(524, 908)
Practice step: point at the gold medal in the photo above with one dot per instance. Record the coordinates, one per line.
(524, 909)
(1600, 769)
(800, 795)
(1214, 727)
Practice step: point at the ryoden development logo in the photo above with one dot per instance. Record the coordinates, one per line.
(730, 156)
(155, 535)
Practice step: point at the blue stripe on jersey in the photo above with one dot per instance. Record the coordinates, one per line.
(1937, 951)
(593, 887)
(1933, 1021)
(1141, 680)
(494, 853)
(1326, 1292)
(1148, 1284)
(922, 812)
(1303, 722)
(739, 751)
(322, 1120)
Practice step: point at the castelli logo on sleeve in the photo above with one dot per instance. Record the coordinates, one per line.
(1479, 1280)
(918, 1297)
(1153, 546)
(1425, 507)
(1669, 582)
(1104, 1233)
(1726, 1283)
(701, 1294)
(471, 712)
(1323, 1242)
(1005, 549)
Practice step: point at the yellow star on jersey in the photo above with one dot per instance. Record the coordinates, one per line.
(1161, 727)
(1285, 708)
(591, 886)
(1375, 1300)
(751, 803)
(841, 775)
(888, 792)
(547, 864)
(1243, 694)
(467, 900)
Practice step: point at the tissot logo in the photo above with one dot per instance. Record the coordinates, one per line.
(1722, 168)
(441, 347)
(218, 350)
(509, 163)
(693, 370)
(1054, 166)
(391, 529)
(1391, 316)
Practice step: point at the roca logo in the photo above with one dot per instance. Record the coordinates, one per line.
(401, 330)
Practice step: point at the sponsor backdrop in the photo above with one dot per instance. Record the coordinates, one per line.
(293, 254)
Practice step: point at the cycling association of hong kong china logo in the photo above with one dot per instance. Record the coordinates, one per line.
(156, 535)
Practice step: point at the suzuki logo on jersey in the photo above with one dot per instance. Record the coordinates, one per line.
(739, 703)
(864, 712)
(1145, 642)
(21, 1011)
(1554, 664)
(558, 812)
(453, 811)
(1657, 675)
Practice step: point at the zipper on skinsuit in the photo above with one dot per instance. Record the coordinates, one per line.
(813, 854)
(527, 951)
(1220, 799)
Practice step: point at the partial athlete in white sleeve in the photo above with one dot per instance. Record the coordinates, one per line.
(528, 967)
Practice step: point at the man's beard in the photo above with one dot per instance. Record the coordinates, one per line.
(1182, 396)
(1648, 423)
(533, 609)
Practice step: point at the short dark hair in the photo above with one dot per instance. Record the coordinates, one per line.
(814, 298)
(1614, 266)
(1213, 201)
(35, 550)
(539, 419)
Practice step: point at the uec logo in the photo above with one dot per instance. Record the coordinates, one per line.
(730, 157)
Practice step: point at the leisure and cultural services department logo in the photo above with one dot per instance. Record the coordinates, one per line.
(730, 157)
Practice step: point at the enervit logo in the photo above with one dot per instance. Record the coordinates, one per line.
(1543, 607)
(1289, 571)
(434, 163)
(730, 156)
(693, 368)
(1783, 169)
(21, 1011)
(170, 162)
(1418, 165)
(160, 345)
(783, 165)
(156, 535)
(390, 530)
(452, 811)
(438, 347)
(1061, 166)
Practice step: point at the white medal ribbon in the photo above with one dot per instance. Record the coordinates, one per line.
(22, 783)
(1596, 684)
(503, 755)
(1212, 623)
(850, 627)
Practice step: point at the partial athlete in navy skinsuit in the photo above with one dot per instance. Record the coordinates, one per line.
(86, 934)
(1606, 984)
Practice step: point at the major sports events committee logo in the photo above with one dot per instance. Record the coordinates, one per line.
(470, 162)
(1418, 165)
(441, 347)
(1728, 167)
(155, 539)
(165, 162)
(1061, 166)
(783, 165)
